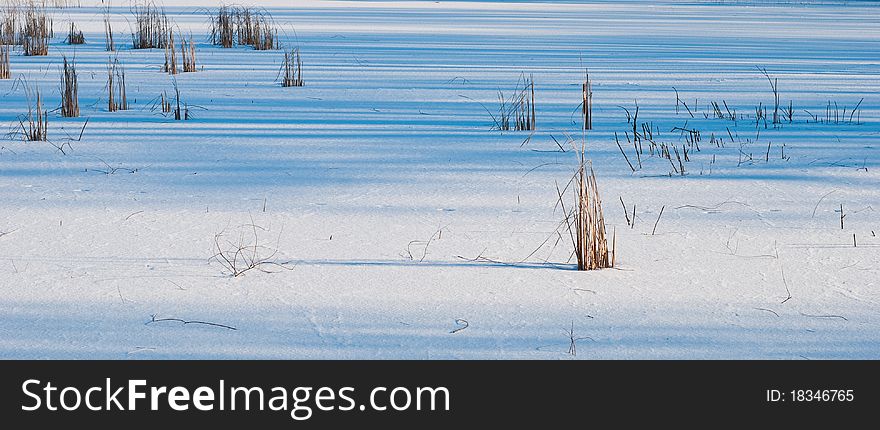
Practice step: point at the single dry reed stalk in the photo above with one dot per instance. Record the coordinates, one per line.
(69, 90)
(5, 69)
(74, 36)
(587, 106)
(117, 99)
(292, 69)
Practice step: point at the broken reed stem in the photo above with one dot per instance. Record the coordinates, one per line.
(69, 90)
(5, 68)
(292, 69)
(117, 99)
(74, 36)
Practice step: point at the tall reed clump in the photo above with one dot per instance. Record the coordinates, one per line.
(75, 36)
(9, 25)
(518, 111)
(5, 69)
(586, 221)
(34, 126)
(223, 27)
(117, 99)
(151, 27)
(243, 26)
(69, 90)
(36, 32)
(587, 102)
(188, 51)
(292, 69)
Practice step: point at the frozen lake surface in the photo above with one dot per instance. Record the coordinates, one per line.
(401, 217)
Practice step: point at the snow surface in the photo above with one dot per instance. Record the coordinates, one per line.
(388, 147)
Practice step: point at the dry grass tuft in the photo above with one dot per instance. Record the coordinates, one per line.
(69, 90)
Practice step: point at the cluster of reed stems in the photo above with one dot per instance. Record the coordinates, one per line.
(243, 26)
(34, 127)
(69, 90)
(37, 30)
(117, 99)
(587, 102)
(170, 66)
(292, 69)
(586, 221)
(74, 36)
(188, 51)
(518, 111)
(151, 27)
(109, 43)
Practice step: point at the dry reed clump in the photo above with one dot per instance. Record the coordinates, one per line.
(117, 99)
(292, 69)
(5, 69)
(586, 221)
(518, 111)
(69, 90)
(35, 125)
(151, 27)
(74, 36)
(243, 26)
(37, 30)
